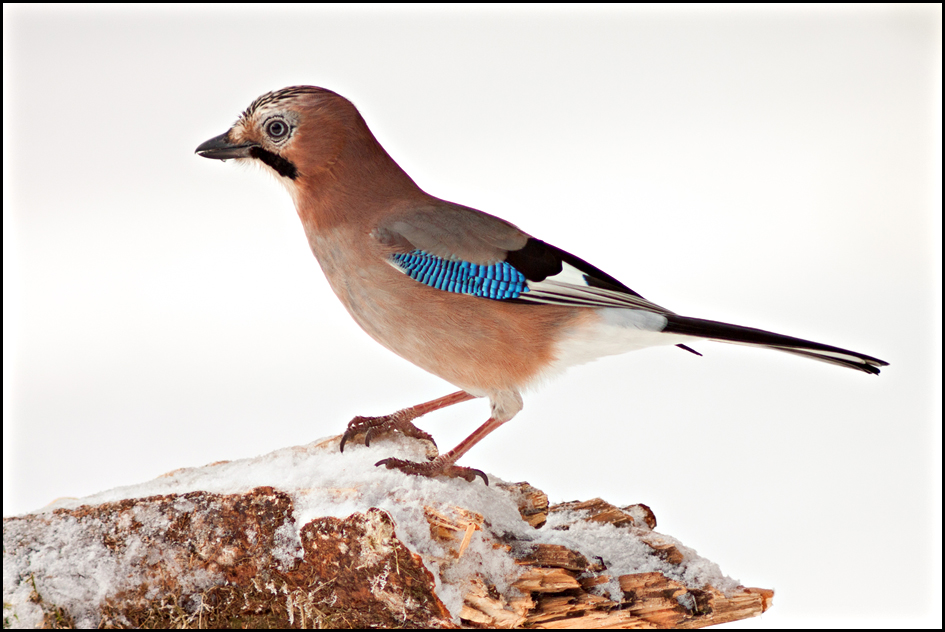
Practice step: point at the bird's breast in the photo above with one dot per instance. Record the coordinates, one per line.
(479, 344)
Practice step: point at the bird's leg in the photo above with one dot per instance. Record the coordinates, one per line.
(400, 421)
(444, 465)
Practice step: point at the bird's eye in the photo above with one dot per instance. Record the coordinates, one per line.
(277, 129)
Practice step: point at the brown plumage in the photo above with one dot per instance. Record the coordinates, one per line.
(460, 293)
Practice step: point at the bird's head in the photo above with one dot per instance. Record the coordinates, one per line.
(295, 132)
(318, 145)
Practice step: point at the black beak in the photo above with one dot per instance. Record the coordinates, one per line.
(220, 148)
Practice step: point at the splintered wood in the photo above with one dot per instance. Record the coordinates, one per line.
(557, 585)
(447, 529)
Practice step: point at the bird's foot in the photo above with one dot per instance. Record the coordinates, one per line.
(439, 466)
(373, 427)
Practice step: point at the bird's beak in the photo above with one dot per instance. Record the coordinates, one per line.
(221, 148)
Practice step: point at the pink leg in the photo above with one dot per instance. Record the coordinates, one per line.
(401, 420)
(445, 464)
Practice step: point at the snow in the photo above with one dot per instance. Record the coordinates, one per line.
(322, 482)
(623, 555)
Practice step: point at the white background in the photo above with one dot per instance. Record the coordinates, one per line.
(775, 168)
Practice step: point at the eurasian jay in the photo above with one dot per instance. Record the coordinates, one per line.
(460, 293)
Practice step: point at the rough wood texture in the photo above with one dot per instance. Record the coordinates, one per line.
(210, 560)
(206, 561)
(555, 595)
(532, 503)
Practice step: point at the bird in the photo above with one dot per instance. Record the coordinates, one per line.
(460, 293)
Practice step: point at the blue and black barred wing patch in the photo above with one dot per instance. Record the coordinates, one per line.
(554, 278)
(499, 281)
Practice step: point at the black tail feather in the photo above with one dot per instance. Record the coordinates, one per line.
(723, 332)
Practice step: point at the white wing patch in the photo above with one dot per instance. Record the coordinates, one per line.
(570, 287)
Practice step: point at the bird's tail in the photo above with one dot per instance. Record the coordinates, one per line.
(735, 334)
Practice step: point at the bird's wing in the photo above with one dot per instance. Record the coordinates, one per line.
(459, 249)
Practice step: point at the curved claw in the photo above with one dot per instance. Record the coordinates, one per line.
(475, 473)
(344, 439)
(355, 426)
